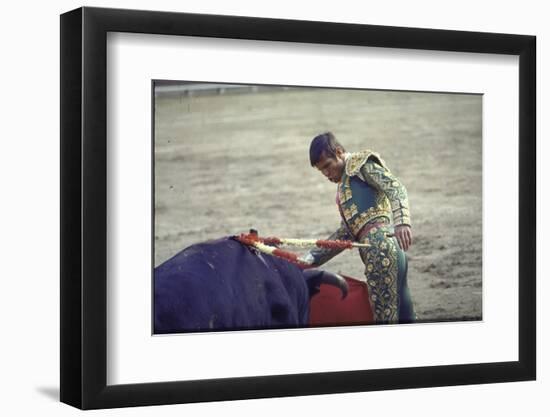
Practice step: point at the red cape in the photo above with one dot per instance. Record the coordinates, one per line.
(327, 307)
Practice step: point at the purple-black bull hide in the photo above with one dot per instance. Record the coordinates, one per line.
(223, 284)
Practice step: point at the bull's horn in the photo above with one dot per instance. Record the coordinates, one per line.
(326, 277)
(336, 280)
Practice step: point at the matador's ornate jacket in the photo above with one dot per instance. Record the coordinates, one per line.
(370, 198)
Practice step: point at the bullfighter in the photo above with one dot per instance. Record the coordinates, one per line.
(374, 209)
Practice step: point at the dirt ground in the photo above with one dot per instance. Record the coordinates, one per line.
(227, 163)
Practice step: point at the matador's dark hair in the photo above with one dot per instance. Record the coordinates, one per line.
(324, 143)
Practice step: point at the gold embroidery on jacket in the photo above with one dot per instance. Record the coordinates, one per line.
(382, 179)
(356, 160)
(344, 190)
(373, 213)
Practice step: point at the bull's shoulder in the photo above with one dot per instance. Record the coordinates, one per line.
(199, 251)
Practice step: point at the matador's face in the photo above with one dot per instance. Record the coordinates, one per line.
(332, 167)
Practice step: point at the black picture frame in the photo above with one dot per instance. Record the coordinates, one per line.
(84, 207)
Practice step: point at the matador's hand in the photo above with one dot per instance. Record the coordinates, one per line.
(403, 234)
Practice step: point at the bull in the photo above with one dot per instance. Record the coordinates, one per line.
(223, 284)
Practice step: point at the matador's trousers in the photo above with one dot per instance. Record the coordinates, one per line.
(386, 273)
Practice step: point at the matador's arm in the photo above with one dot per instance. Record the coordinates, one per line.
(319, 256)
(382, 179)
